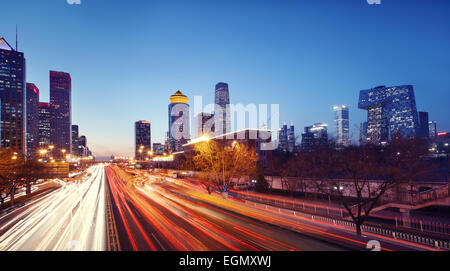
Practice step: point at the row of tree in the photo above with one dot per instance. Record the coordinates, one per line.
(369, 171)
(17, 172)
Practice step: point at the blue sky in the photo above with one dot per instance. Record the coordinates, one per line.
(127, 57)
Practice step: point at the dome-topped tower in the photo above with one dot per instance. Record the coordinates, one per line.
(178, 97)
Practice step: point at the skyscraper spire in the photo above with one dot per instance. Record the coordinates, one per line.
(17, 41)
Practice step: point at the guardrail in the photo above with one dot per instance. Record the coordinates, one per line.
(430, 242)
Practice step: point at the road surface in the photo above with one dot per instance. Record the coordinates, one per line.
(69, 218)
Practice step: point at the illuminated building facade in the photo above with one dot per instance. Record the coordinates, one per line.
(390, 110)
(222, 109)
(315, 136)
(60, 111)
(12, 97)
(341, 125)
(44, 125)
(143, 139)
(32, 98)
(432, 127)
(179, 119)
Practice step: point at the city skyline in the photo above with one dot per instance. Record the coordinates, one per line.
(248, 63)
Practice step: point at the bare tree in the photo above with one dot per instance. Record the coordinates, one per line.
(10, 178)
(356, 176)
(224, 162)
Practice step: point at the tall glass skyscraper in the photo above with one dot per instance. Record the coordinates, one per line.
(143, 138)
(432, 126)
(222, 109)
(44, 125)
(341, 125)
(390, 110)
(75, 140)
(12, 98)
(179, 119)
(60, 111)
(32, 98)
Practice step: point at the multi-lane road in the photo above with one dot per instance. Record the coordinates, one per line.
(109, 210)
(69, 218)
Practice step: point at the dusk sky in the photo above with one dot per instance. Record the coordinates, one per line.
(127, 57)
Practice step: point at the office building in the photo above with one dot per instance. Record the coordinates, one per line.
(389, 110)
(432, 126)
(75, 139)
(315, 136)
(363, 133)
(143, 139)
(283, 143)
(291, 138)
(44, 125)
(179, 122)
(32, 98)
(341, 125)
(222, 109)
(423, 131)
(60, 111)
(12, 98)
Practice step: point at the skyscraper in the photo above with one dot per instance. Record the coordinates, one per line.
(423, 131)
(315, 136)
(283, 138)
(291, 138)
(75, 139)
(179, 128)
(341, 125)
(83, 150)
(204, 124)
(363, 133)
(44, 125)
(390, 110)
(60, 110)
(32, 98)
(222, 109)
(12, 98)
(432, 126)
(143, 139)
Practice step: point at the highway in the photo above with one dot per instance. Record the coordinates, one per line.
(161, 215)
(69, 218)
(110, 210)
